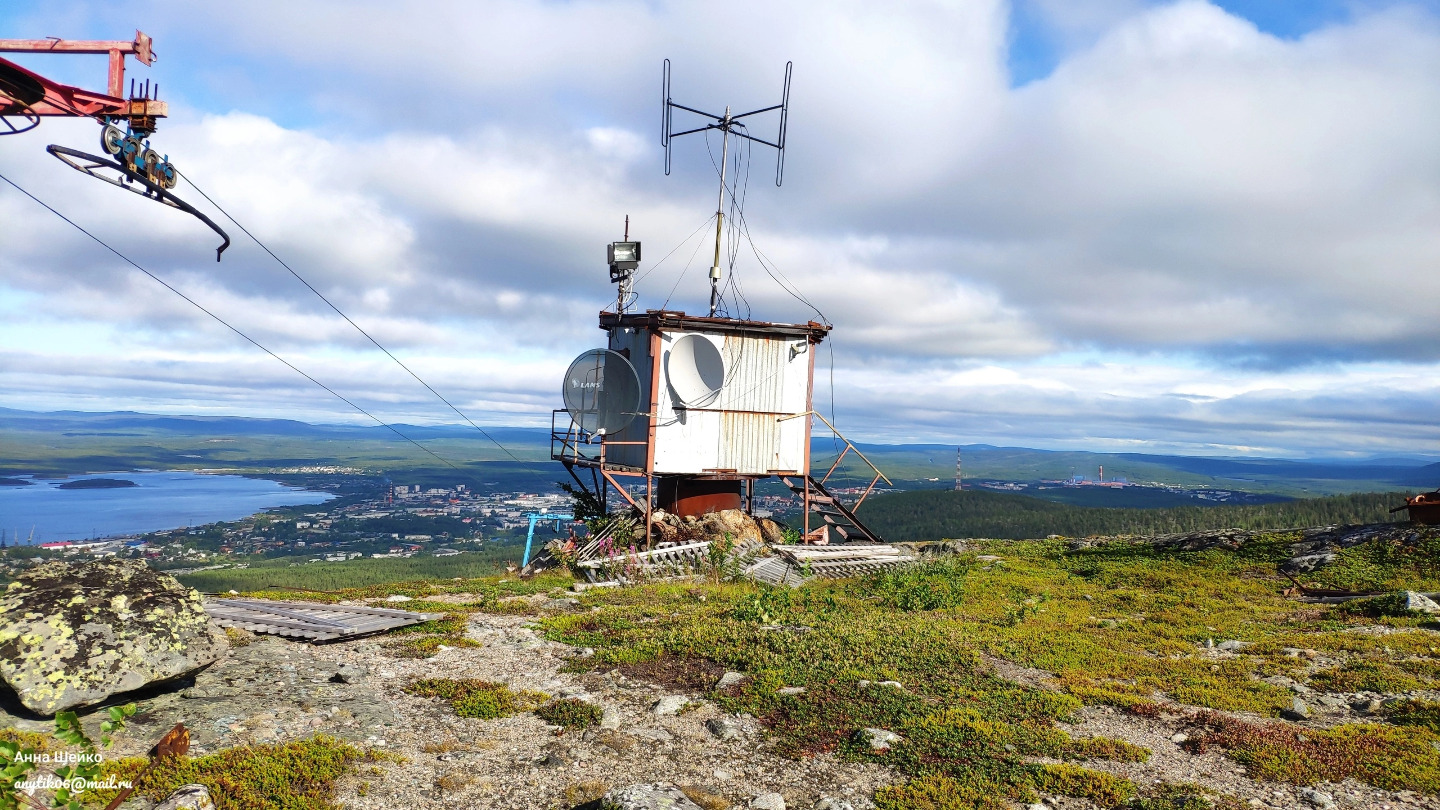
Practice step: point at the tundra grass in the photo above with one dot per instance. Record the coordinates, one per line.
(1115, 623)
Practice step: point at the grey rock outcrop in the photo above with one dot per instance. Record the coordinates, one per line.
(879, 739)
(768, 801)
(658, 796)
(1420, 603)
(74, 634)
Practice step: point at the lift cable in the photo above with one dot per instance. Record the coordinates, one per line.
(224, 323)
(357, 326)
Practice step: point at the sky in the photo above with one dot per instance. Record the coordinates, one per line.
(1209, 228)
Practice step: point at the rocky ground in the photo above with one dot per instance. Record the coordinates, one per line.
(268, 689)
(273, 690)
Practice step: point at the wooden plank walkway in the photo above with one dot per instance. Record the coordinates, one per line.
(312, 620)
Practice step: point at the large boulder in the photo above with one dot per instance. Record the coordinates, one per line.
(73, 634)
(741, 528)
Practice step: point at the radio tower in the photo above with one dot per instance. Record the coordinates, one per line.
(959, 481)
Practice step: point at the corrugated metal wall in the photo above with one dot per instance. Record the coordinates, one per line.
(764, 378)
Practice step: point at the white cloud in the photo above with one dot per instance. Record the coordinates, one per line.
(1256, 218)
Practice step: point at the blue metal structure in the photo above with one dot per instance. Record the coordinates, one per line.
(536, 517)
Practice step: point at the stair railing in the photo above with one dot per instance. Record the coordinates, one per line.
(849, 445)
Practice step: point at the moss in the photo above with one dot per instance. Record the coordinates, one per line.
(570, 713)
(298, 775)
(1411, 563)
(706, 799)
(585, 792)
(27, 739)
(483, 700)
(937, 792)
(449, 624)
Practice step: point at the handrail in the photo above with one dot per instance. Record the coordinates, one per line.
(849, 445)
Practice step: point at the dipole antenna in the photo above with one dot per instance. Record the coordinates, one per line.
(728, 125)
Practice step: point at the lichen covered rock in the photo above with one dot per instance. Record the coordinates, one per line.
(73, 634)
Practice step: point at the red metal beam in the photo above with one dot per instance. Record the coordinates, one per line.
(64, 100)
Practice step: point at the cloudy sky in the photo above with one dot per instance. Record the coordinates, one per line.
(1198, 227)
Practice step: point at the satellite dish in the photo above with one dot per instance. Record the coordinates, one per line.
(602, 392)
(695, 371)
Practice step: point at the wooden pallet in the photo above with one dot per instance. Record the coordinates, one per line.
(312, 620)
(792, 565)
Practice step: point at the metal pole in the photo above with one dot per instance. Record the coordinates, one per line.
(529, 536)
(719, 216)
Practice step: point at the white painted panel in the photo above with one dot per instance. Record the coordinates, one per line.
(765, 377)
(688, 442)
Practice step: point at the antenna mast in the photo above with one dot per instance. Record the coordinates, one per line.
(728, 125)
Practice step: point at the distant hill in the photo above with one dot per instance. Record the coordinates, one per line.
(937, 514)
(68, 442)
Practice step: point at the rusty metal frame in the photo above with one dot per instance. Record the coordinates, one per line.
(849, 445)
(142, 48)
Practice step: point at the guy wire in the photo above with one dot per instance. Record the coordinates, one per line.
(347, 318)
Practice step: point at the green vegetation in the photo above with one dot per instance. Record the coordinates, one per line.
(1422, 713)
(1390, 758)
(484, 700)
(570, 713)
(1411, 565)
(19, 757)
(297, 775)
(1117, 623)
(334, 576)
(933, 514)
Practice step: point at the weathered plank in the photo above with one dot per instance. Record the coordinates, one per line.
(320, 622)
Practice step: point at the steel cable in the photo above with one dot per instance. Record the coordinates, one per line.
(226, 324)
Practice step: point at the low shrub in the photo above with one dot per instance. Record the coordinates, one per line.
(1422, 713)
(297, 775)
(570, 713)
(484, 700)
(1383, 756)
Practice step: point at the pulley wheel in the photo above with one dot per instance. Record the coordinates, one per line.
(112, 139)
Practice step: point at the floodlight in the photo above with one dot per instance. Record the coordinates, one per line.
(623, 255)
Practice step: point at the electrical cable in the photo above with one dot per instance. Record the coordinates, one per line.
(685, 270)
(224, 323)
(347, 318)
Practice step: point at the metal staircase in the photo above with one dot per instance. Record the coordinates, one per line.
(835, 514)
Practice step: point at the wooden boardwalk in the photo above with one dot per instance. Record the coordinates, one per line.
(311, 620)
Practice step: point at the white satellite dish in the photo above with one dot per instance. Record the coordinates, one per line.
(695, 370)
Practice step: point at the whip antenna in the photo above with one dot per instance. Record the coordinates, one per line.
(728, 125)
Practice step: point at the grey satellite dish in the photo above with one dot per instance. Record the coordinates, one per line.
(695, 371)
(602, 392)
